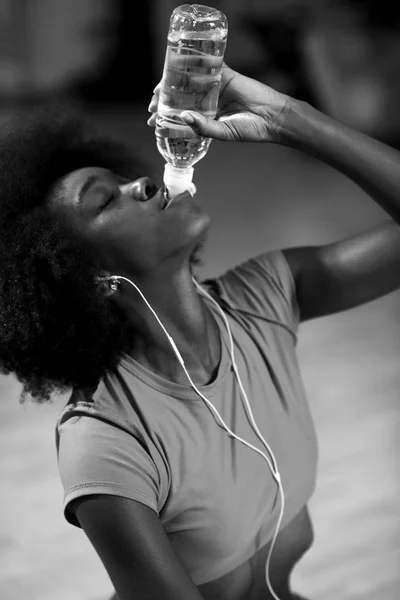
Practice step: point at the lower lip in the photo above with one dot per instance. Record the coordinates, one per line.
(178, 199)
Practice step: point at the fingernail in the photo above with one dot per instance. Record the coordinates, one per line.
(187, 117)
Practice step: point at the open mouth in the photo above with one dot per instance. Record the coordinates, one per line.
(160, 197)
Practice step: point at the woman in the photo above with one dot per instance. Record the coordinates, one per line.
(173, 505)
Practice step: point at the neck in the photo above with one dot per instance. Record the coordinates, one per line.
(187, 320)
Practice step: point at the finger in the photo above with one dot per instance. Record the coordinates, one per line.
(155, 99)
(153, 106)
(152, 120)
(201, 82)
(206, 127)
(174, 130)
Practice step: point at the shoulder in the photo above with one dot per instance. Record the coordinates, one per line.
(262, 286)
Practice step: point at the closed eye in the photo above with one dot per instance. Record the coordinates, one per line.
(108, 200)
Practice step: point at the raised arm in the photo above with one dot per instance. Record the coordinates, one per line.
(347, 273)
(337, 276)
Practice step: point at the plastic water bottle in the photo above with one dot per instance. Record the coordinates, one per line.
(197, 39)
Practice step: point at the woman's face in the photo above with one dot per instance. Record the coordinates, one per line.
(125, 222)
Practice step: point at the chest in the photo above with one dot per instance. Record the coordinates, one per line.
(224, 503)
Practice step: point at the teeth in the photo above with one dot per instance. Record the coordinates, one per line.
(165, 194)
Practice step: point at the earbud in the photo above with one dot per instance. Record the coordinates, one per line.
(113, 282)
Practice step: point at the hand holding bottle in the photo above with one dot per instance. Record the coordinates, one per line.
(248, 111)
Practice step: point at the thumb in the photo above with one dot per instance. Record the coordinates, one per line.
(206, 127)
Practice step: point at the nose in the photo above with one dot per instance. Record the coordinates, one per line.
(141, 189)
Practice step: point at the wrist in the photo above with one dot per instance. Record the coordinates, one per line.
(294, 124)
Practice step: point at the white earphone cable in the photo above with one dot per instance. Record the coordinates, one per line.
(249, 413)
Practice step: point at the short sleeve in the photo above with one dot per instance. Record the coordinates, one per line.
(263, 286)
(96, 457)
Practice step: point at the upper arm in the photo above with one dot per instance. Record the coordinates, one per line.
(134, 548)
(339, 276)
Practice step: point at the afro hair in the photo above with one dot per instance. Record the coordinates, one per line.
(57, 331)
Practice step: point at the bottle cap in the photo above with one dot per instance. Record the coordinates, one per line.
(177, 180)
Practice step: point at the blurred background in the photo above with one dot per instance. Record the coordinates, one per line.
(343, 57)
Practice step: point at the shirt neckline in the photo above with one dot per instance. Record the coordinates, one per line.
(178, 390)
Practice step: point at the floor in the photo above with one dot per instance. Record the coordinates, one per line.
(259, 197)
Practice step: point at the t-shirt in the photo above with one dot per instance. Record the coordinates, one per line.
(143, 437)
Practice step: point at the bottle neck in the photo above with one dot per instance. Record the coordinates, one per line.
(177, 180)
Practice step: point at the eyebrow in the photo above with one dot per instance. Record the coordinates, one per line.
(88, 184)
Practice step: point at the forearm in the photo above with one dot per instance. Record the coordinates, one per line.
(374, 166)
